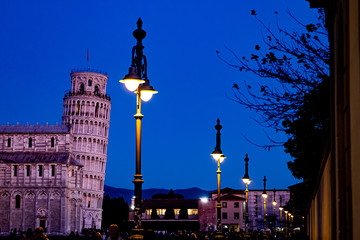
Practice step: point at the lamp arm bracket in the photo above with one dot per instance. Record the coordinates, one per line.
(145, 67)
(133, 56)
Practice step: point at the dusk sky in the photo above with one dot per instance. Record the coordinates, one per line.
(41, 41)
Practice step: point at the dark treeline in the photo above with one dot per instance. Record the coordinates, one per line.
(115, 211)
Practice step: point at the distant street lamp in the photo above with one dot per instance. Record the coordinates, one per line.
(264, 195)
(219, 157)
(136, 80)
(281, 208)
(246, 179)
(286, 216)
(274, 204)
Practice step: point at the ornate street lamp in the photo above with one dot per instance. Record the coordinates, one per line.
(246, 179)
(274, 204)
(264, 195)
(219, 157)
(137, 81)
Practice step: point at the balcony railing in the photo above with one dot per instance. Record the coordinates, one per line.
(88, 70)
(85, 93)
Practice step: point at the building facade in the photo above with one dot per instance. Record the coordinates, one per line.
(233, 208)
(201, 213)
(334, 210)
(53, 176)
(256, 208)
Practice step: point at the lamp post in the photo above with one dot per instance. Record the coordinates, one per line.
(281, 208)
(274, 204)
(136, 80)
(264, 195)
(246, 179)
(219, 157)
(286, 215)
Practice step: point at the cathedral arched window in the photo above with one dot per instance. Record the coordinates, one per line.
(52, 142)
(82, 88)
(30, 142)
(17, 201)
(40, 170)
(96, 91)
(15, 170)
(90, 82)
(27, 170)
(52, 170)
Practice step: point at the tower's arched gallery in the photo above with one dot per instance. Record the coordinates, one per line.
(53, 175)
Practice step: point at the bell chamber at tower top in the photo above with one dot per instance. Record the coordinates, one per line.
(87, 96)
(88, 82)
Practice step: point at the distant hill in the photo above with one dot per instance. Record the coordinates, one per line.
(127, 194)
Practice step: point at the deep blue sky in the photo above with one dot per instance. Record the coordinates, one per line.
(41, 41)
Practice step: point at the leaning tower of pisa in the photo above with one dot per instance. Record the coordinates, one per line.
(87, 109)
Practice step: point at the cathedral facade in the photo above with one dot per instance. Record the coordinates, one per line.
(53, 175)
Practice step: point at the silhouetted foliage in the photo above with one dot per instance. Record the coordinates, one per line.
(115, 211)
(169, 213)
(154, 214)
(309, 132)
(183, 214)
(171, 194)
(291, 93)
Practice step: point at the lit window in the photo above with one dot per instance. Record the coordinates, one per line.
(224, 204)
(224, 215)
(192, 212)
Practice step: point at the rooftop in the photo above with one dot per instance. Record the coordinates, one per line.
(26, 157)
(34, 129)
(88, 70)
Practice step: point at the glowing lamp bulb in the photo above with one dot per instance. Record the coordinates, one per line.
(216, 156)
(131, 85)
(246, 180)
(146, 95)
(222, 158)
